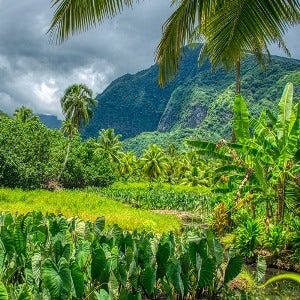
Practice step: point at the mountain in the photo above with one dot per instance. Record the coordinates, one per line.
(50, 121)
(195, 98)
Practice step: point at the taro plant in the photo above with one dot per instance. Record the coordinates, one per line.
(51, 257)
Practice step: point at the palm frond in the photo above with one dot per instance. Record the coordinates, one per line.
(74, 16)
(178, 30)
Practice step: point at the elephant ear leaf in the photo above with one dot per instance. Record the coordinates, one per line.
(99, 225)
(148, 279)
(241, 119)
(57, 278)
(78, 279)
(233, 268)
(3, 292)
(206, 272)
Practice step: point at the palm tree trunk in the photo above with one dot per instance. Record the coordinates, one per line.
(65, 161)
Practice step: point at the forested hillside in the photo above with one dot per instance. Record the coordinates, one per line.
(196, 98)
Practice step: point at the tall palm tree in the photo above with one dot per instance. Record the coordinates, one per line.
(77, 104)
(230, 28)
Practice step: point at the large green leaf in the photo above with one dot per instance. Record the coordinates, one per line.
(99, 266)
(261, 268)
(57, 278)
(3, 292)
(162, 256)
(133, 274)
(148, 279)
(78, 279)
(99, 225)
(174, 276)
(241, 119)
(206, 272)
(19, 237)
(233, 268)
(103, 295)
(82, 253)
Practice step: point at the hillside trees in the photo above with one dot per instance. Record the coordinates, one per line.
(31, 156)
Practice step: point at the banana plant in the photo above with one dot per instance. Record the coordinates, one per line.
(266, 149)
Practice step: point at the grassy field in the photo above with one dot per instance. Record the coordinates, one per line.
(88, 206)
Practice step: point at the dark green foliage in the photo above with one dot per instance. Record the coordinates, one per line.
(86, 167)
(233, 268)
(27, 153)
(31, 156)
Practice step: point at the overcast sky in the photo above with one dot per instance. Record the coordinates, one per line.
(35, 73)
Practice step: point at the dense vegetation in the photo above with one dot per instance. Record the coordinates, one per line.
(245, 191)
(51, 257)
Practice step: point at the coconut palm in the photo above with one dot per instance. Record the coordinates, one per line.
(109, 144)
(128, 165)
(154, 162)
(77, 104)
(229, 28)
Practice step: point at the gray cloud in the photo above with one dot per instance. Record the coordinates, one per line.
(35, 73)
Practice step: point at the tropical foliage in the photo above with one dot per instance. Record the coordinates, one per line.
(51, 257)
(266, 159)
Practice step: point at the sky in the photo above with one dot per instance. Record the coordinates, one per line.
(35, 73)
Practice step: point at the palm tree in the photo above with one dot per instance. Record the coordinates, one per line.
(77, 104)
(128, 165)
(230, 28)
(109, 144)
(24, 115)
(154, 162)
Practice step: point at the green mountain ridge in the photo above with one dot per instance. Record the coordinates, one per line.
(196, 98)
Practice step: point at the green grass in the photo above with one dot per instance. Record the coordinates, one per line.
(88, 206)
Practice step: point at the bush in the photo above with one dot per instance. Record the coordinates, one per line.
(247, 237)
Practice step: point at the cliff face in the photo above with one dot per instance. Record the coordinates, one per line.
(196, 98)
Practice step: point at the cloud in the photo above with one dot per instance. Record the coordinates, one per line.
(35, 73)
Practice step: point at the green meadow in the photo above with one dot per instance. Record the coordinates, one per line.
(86, 205)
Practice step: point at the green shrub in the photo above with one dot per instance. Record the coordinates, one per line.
(247, 237)
(275, 238)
